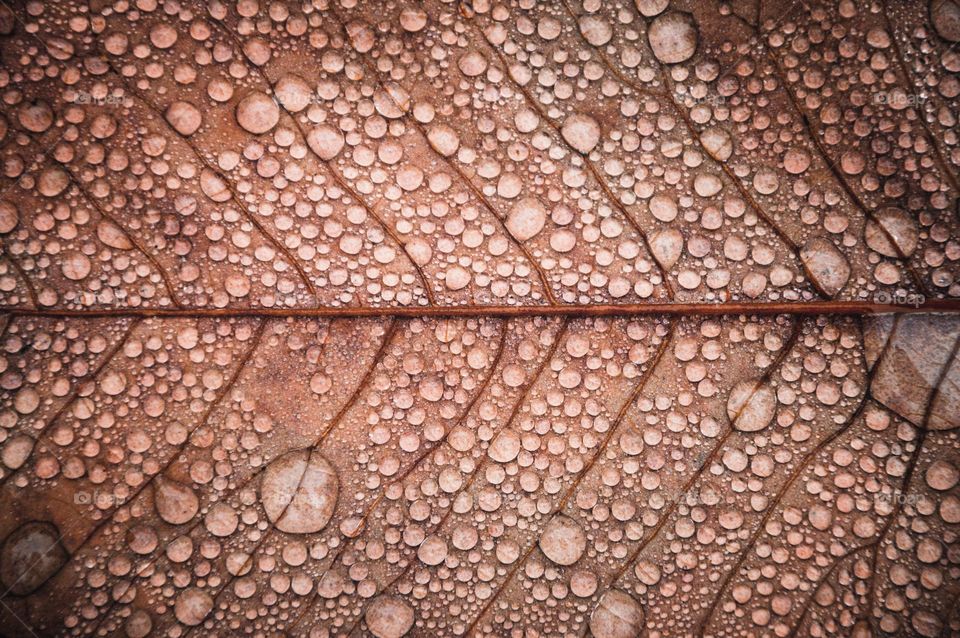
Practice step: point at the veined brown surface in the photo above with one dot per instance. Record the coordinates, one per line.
(567, 318)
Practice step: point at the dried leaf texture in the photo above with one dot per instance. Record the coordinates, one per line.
(714, 476)
(431, 318)
(264, 155)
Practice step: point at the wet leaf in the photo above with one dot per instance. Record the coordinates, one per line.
(488, 319)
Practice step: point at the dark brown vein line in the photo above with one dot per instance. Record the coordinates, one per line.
(225, 389)
(714, 451)
(736, 181)
(624, 79)
(813, 133)
(561, 333)
(620, 75)
(695, 135)
(431, 449)
(483, 199)
(588, 164)
(814, 137)
(820, 581)
(796, 474)
(908, 476)
(72, 397)
(621, 414)
(312, 449)
(561, 504)
(164, 276)
(44, 160)
(233, 194)
(221, 394)
(107, 519)
(798, 308)
(7, 322)
(407, 472)
(256, 474)
(334, 173)
(22, 275)
(870, 598)
(921, 113)
(747, 196)
(149, 564)
(904, 488)
(871, 545)
(377, 358)
(464, 178)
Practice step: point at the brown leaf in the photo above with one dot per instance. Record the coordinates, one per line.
(462, 318)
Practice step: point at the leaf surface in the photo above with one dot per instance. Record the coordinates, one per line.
(563, 318)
